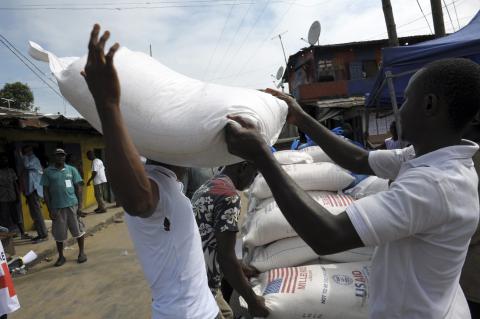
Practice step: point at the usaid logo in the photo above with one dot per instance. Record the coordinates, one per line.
(343, 279)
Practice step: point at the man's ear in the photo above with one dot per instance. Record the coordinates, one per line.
(431, 104)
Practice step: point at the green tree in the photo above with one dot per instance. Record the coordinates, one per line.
(20, 93)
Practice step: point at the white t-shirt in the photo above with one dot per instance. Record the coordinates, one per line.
(422, 226)
(392, 144)
(169, 249)
(97, 166)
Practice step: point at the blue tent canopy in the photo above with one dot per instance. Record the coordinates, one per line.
(403, 61)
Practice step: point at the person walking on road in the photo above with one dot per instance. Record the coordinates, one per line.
(62, 188)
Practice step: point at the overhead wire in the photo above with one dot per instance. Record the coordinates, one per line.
(257, 70)
(111, 6)
(116, 4)
(449, 16)
(426, 20)
(63, 4)
(26, 58)
(218, 40)
(229, 46)
(270, 33)
(247, 35)
(120, 8)
(30, 68)
(456, 14)
(406, 32)
(461, 2)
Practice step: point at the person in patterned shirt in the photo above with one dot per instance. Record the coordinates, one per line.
(216, 205)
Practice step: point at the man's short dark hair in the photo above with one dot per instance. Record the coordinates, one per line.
(457, 80)
(24, 147)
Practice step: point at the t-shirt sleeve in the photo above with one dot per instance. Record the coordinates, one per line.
(44, 179)
(96, 165)
(226, 212)
(76, 176)
(387, 163)
(414, 204)
(163, 197)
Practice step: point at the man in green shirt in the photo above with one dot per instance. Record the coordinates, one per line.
(62, 189)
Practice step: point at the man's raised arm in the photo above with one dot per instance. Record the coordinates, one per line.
(137, 193)
(323, 232)
(342, 152)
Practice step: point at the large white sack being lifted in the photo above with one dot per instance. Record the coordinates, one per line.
(171, 118)
(337, 291)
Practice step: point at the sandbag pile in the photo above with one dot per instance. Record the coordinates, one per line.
(268, 238)
(295, 281)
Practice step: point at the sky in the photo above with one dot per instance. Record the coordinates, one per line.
(230, 42)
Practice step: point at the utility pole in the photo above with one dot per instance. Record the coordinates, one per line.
(150, 49)
(437, 15)
(390, 21)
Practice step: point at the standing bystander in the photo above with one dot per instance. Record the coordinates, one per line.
(9, 197)
(32, 173)
(63, 194)
(99, 181)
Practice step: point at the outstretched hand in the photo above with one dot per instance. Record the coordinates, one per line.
(244, 140)
(258, 309)
(295, 111)
(99, 73)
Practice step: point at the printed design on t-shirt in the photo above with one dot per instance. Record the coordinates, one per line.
(216, 206)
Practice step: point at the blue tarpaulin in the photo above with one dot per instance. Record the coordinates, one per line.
(403, 61)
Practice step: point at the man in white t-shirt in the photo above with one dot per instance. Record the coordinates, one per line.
(99, 181)
(423, 224)
(159, 217)
(393, 143)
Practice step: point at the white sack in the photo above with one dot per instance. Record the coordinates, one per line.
(170, 117)
(310, 177)
(294, 252)
(317, 154)
(292, 157)
(369, 186)
(268, 224)
(335, 291)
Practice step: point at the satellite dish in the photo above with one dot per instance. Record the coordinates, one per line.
(280, 84)
(279, 73)
(314, 32)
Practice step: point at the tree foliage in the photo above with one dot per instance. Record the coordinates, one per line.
(20, 93)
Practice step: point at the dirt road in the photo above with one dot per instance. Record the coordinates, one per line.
(109, 285)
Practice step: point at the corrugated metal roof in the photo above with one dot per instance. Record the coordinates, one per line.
(342, 103)
(11, 118)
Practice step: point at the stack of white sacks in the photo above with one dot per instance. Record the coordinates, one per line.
(295, 281)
